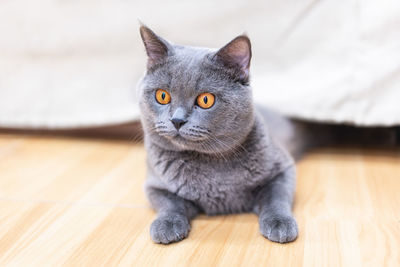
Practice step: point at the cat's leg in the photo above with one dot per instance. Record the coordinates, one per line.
(274, 205)
(174, 215)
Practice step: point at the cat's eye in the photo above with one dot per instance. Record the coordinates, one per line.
(163, 97)
(205, 100)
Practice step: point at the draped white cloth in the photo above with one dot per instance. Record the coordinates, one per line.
(69, 64)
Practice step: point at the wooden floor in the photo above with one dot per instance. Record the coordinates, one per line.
(79, 202)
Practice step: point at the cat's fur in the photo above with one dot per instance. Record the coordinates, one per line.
(223, 159)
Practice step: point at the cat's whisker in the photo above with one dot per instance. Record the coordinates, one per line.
(202, 128)
(136, 136)
(234, 150)
(217, 153)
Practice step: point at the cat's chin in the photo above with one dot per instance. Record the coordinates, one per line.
(179, 141)
(198, 145)
(186, 142)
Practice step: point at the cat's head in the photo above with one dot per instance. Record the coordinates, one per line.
(196, 99)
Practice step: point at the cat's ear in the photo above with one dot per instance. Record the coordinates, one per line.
(236, 55)
(157, 49)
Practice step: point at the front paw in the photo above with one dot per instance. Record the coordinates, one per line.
(279, 228)
(169, 228)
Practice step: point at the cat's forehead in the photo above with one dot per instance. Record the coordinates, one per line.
(186, 69)
(187, 59)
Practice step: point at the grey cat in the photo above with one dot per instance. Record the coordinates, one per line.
(209, 150)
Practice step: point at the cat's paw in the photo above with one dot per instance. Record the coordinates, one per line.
(169, 228)
(279, 228)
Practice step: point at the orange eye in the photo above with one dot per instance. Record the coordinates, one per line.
(163, 97)
(205, 100)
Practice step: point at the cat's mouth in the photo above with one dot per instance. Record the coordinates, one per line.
(188, 137)
(204, 143)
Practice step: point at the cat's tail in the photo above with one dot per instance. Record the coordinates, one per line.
(304, 136)
(292, 135)
(299, 136)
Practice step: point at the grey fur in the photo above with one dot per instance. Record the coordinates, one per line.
(223, 160)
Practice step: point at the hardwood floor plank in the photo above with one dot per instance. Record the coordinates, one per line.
(79, 202)
(68, 170)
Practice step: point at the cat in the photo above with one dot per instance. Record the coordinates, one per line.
(209, 150)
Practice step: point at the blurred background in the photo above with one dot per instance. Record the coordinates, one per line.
(75, 64)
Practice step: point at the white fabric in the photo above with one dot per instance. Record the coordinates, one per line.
(76, 63)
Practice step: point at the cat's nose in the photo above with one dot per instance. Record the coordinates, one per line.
(179, 117)
(177, 122)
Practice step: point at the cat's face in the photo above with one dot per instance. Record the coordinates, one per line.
(195, 98)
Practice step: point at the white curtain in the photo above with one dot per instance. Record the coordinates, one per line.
(76, 63)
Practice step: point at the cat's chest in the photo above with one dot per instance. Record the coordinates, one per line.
(216, 186)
